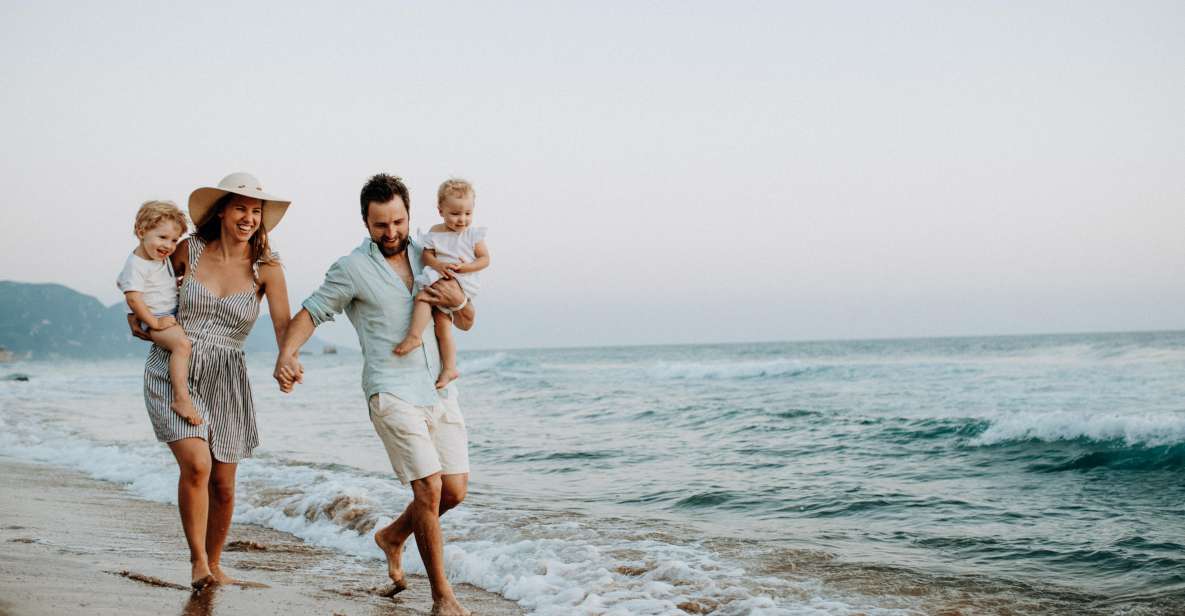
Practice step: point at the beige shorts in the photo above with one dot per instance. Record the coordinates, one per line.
(421, 440)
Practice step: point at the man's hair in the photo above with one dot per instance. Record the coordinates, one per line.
(382, 188)
(152, 213)
(454, 187)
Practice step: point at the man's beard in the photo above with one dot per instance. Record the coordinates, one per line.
(391, 252)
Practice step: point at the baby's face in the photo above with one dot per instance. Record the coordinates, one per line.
(160, 241)
(457, 212)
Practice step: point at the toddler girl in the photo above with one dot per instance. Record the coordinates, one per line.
(150, 287)
(452, 249)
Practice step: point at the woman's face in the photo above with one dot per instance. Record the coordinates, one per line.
(241, 218)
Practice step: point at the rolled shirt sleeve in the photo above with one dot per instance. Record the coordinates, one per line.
(333, 296)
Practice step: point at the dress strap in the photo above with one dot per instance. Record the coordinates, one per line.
(196, 247)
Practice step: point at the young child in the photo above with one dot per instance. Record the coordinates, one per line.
(452, 249)
(148, 284)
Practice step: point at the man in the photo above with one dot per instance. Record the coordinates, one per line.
(420, 426)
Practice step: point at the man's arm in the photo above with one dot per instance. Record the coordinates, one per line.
(448, 294)
(331, 298)
(288, 371)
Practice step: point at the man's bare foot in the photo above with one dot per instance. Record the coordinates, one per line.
(409, 344)
(184, 408)
(394, 553)
(449, 607)
(200, 576)
(447, 375)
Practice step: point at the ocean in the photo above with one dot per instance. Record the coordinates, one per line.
(1025, 474)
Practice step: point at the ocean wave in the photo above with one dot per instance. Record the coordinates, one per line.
(552, 565)
(1134, 429)
(772, 368)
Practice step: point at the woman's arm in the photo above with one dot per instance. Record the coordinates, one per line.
(275, 288)
(480, 262)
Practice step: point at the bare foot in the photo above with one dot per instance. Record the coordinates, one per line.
(408, 345)
(394, 553)
(201, 576)
(220, 577)
(449, 607)
(184, 408)
(447, 375)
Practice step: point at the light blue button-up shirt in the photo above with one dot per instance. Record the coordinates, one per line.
(379, 306)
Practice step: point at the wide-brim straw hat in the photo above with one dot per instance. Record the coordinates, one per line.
(202, 200)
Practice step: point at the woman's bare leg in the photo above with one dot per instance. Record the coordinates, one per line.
(222, 508)
(193, 458)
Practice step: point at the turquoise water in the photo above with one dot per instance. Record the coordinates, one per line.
(1036, 474)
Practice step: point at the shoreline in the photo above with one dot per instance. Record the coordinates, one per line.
(72, 544)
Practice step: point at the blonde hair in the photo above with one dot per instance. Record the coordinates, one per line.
(454, 187)
(153, 213)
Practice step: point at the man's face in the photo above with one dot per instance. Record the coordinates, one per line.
(388, 224)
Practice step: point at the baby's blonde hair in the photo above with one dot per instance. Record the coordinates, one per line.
(152, 213)
(454, 187)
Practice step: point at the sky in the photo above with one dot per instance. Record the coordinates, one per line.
(650, 172)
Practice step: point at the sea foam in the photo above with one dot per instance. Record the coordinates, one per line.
(1133, 429)
(553, 566)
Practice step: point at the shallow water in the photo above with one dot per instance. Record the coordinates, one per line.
(1011, 474)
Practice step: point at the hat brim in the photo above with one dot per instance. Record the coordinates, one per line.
(202, 200)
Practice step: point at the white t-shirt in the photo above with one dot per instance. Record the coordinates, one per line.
(154, 279)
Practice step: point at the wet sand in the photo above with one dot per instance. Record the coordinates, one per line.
(73, 545)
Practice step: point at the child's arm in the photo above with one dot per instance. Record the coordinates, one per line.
(480, 262)
(135, 301)
(428, 256)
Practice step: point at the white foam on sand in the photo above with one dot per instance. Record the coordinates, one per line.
(552, 565)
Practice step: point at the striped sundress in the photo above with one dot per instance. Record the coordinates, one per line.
(218, 383)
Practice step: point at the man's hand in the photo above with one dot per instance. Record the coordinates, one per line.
(288, 372)
(134, 323)
(164, 322)
(445, 293)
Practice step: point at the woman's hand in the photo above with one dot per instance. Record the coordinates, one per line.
(134, 323)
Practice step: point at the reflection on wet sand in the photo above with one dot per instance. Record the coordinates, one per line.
(201, 603)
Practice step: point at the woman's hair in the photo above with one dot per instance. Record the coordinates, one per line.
(210, 229)
(152, 213)
(454, 187)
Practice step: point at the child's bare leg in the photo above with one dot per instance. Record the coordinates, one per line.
(421, 315)
(174, 340)
(448, 349)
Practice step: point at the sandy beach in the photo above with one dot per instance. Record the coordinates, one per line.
(73, 545)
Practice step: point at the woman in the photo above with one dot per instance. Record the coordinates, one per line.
(228, 268)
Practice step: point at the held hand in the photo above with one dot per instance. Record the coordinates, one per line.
(288, 373)
(134, 323)
(454, 269)
(445, 293)
(164, 323)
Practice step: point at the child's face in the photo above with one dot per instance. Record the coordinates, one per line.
(160, 241)
(457, 212)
